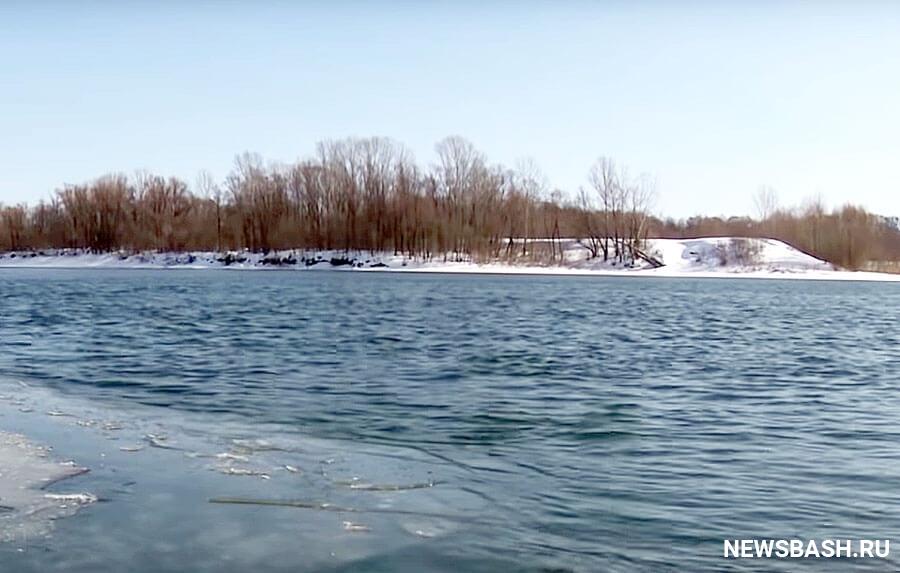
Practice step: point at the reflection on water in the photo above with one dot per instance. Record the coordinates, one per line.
(302, 422)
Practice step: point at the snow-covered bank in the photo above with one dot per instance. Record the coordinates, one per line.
(702, 257)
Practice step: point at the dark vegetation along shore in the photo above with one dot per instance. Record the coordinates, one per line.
(370, 195)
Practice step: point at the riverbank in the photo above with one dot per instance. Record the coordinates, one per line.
(713, 257)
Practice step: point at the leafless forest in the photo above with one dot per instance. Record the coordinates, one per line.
(369, 194)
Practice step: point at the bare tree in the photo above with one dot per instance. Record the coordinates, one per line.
(621, 227)
(640, 196)
(765, 202)
(14, 220)
(812, 214)
(531, 183)
(604, 178)
(462, 177)
(162, 206)
(591, 229)
(260, 198)
(212, 192)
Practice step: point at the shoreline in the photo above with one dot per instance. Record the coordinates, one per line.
(115, 262)
(710, 257)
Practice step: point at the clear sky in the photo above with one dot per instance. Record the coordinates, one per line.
(713, 99)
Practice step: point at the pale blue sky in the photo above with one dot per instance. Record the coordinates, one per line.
(713, 99)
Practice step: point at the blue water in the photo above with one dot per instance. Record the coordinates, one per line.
(477, 423)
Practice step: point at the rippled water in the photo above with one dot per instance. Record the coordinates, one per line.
(480, 423)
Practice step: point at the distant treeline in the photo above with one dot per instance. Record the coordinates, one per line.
(848, 237)
(369, 194)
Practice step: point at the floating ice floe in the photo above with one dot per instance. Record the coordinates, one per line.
(356, 483)
(26, 471)
(71, 498)
(243, 472)
(159, 441)
(355, 527)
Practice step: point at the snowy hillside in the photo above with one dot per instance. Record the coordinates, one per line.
(735, 254)
(703, 257)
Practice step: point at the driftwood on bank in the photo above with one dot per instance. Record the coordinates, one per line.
(650, 259)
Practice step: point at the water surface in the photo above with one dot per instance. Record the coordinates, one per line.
(444, 423)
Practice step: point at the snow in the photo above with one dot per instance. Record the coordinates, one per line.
(701, 257)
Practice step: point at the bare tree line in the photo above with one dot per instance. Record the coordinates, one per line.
(616, 213)
(352, 194)
(369, 194)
